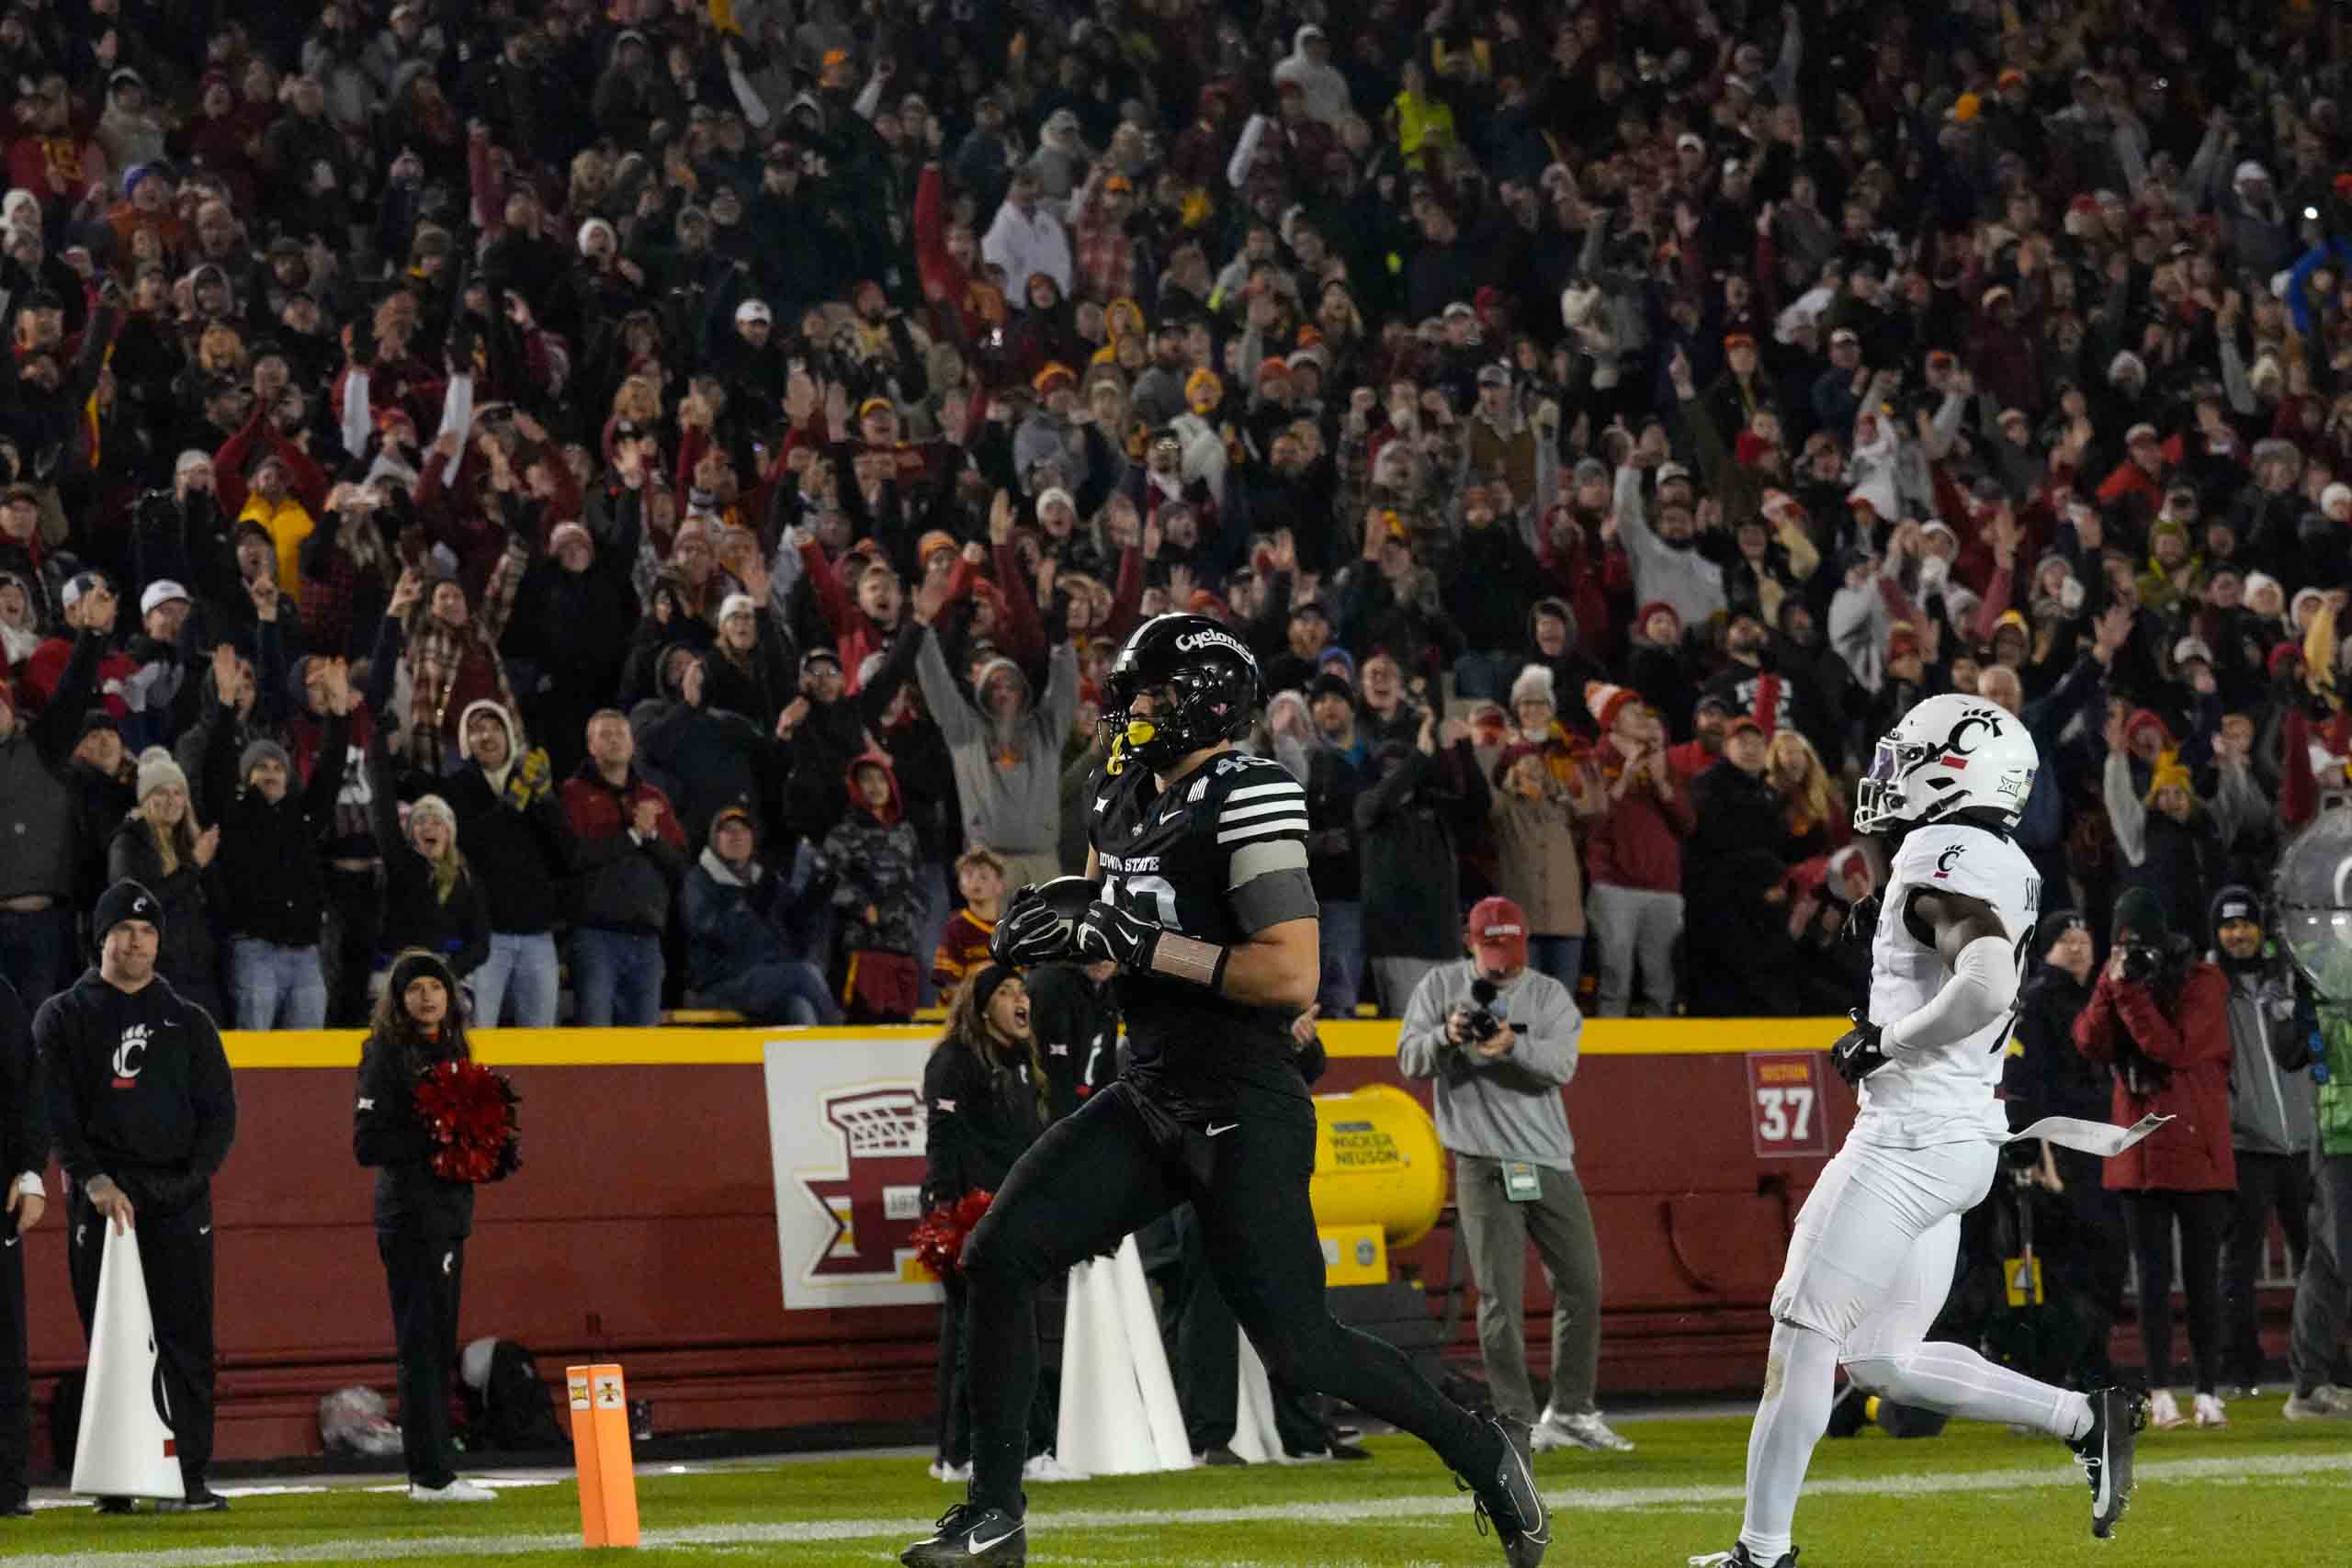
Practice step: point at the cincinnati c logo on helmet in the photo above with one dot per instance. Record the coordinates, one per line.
(1961, 744)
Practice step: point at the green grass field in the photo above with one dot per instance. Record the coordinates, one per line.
(2260, 1493)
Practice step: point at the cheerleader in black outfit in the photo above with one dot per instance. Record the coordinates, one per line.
(422, 1218)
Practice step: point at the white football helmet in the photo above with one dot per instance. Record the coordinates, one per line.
(1950, 754)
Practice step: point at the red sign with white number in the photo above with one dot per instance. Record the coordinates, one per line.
(1784, 1104)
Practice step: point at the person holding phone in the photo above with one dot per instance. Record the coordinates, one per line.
(1633, 855)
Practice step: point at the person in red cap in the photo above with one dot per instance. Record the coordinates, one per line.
(1501, 1041)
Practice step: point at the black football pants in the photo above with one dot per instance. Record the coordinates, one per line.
(425, 1275)
(176, 1254)
(1121, 1162)
(16, 1374)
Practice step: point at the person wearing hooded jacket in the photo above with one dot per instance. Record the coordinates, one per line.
(2271, 1121)
(519, 845)
(143, 1110)
(423, 1218)
(875, 855)
(1006, 748)
(2166, 1034)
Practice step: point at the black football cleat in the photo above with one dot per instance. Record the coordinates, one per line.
(2118, 1415)
(113, 1505)
(1509, 1500)
(969, 1533)
(204, 1501)
(1740, 1557)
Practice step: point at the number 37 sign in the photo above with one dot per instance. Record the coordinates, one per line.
(1784, 1104)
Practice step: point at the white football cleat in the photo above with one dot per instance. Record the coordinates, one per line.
(2211, 1411)
(459, 1489)
(2163, 1411)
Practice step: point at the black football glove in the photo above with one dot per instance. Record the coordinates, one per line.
(1105, 930)
(1857, 1054)
(1031, 932)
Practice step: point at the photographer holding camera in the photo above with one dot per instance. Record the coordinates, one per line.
(2160, 1018)
(1500, 1040)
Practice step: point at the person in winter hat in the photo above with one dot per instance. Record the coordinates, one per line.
(140, 1148)
(2271, 1119)
(432, 899)
(748, 928)
(423, 1218)
(2159, 1018)
(160, 846)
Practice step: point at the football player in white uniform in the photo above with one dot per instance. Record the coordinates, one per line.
(1872, 1260)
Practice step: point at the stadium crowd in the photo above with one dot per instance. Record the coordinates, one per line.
(647, 492)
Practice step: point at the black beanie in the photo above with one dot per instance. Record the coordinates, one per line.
(416, 963)
(984, 988)
(126, 900)
(2142, 911)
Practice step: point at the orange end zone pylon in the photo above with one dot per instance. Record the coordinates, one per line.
(600, 1448)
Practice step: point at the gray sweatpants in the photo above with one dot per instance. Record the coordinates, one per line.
(2324, 1295)
(1624, 922)
(1496, 1230)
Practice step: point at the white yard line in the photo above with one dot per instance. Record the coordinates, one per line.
(726, 1539)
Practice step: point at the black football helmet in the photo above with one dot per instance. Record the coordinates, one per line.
(1205, 688)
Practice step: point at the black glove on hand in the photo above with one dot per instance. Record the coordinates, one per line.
(1031, 932)
(1108, 931)
(1855, 1056)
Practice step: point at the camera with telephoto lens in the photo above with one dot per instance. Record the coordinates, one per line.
(1479, 1022)
(2141, 962)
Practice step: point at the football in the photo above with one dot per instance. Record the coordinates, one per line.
(1067, 896)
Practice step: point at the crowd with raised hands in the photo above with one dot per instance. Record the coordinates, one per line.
(628, 497)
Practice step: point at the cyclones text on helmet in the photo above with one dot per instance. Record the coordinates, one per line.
(1204, 688)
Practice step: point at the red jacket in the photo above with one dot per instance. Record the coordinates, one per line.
(2191, 1036)
(1637, 841)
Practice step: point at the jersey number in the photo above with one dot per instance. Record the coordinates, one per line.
(1154, 888)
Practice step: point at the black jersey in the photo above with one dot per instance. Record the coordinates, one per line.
(1218, 857)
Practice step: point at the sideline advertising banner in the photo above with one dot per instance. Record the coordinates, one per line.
(846, 1124)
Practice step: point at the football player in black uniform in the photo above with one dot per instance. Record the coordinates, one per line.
(1205, 905)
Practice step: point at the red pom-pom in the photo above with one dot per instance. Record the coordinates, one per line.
(939, 1239)
(471, 1112)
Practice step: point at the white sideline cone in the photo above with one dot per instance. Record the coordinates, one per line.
(1255, 1437)
(126, 1448)
(1119, 1415)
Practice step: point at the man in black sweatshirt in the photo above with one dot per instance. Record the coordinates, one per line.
(143, 1110)
(24, 1150)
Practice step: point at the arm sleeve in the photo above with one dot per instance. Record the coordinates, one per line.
(53, 1045)
(1547, 1047)
(2125, 811)
(947, 1140)
(382, 1131)
(212, 1088)
(1424, 1036)
(1984, 988)
(1261, 828)
(957, 722)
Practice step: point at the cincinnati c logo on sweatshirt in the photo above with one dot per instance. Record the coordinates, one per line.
(127, 1056)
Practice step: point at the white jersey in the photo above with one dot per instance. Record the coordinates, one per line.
(1922, 1098)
